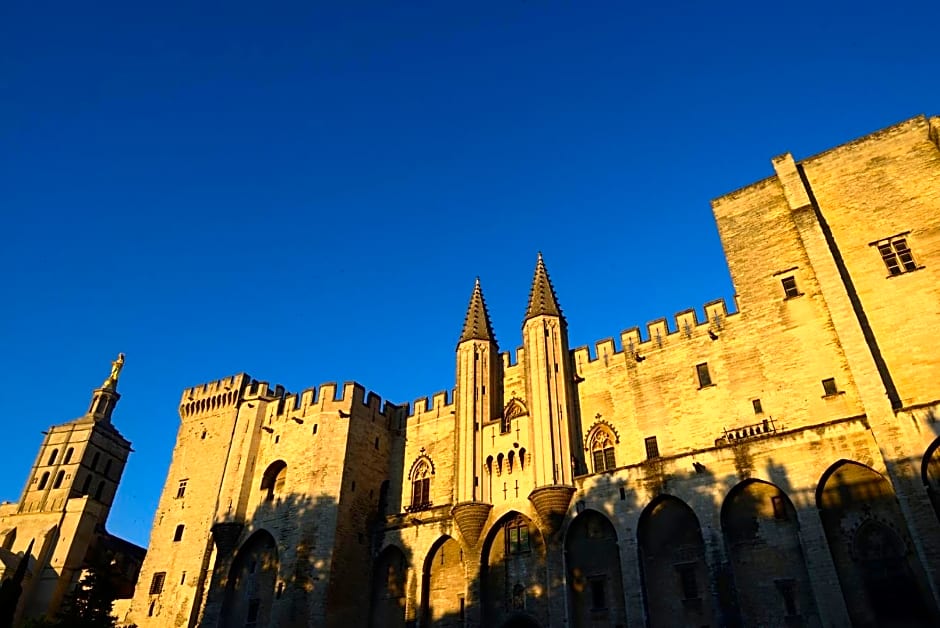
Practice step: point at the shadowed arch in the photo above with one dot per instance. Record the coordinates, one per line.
(252, 581)
(672, 565)
(930, 474)
(273, 480)
(513, 578)
(882, 581)
(762, 536)
(389, 595)
(444, 579)
(595, 581)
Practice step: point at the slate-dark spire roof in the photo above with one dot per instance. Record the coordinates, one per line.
(476, 325)
(542, 300)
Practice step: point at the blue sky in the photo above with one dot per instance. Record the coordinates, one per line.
(305, 192)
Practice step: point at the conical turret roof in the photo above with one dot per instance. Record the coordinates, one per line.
(542, 300)
(476, 325)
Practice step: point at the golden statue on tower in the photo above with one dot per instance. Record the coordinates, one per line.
(116, 366)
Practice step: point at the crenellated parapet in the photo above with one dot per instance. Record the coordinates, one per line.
(659, 335)
(441, 404)
(213, 396)
(228, 392)
(512, 360)
(327, 397)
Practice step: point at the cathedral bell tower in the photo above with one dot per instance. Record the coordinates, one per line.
(550, 398)
(84, 457)
(477, 403)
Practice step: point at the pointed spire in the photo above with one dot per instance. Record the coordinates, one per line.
(542, 300)
(476, 325)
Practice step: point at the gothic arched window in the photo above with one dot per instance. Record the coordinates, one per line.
(420, 486)
(602, 451)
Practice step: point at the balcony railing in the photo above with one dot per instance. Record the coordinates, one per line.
(763, 428)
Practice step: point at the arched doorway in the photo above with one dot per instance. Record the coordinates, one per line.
(595, 583)
(672, 563)
(445, 585)
(513, 573)
(389, 576)
(880, 576)
(252, 581)
(930, 473)
(762, 535)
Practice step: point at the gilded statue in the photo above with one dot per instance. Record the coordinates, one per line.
(116, 367)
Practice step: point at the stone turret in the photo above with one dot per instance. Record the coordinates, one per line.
(477, 403)
(549, 393)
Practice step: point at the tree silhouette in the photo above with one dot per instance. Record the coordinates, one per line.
(90, 603)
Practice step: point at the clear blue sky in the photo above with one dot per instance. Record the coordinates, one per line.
(306, 191)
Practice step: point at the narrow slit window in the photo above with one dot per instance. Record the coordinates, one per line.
(181, 489)
(178, 535)
(688, 582)
(652, 448)
(704, 377)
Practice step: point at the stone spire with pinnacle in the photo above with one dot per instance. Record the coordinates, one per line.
(542, 299)
(476, 325)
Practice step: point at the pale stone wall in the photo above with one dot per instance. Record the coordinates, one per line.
(810, 223)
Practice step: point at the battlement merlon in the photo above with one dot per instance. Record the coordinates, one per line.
(511, 360)
(658, 333)
(440, 402)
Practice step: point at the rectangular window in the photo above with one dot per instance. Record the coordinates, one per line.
(758, 408)
(787, 589)
(254, 608)
(652, 448)
(156, 585)
(896, 255)
(610, 461)
(829, 387)
(598, 455)
(704, 377)
(178, 535)
(181, 490)
(687, 581)
(789, 287)
(598, 594)
(780, 507)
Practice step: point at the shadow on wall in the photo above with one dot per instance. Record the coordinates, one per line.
(749, 568)
(274, 570)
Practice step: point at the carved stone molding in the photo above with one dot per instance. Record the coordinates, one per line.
(470, 517)
(225, 536)
(551, 502)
